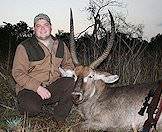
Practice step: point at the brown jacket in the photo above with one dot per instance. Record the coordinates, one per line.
(30, 73)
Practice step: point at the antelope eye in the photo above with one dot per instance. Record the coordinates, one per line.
(91, 76)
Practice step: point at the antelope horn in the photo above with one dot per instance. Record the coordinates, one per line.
(72, 41)
(109, 45)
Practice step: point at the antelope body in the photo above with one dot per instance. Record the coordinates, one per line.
(111, 108)
(116, 108)
(103, 107)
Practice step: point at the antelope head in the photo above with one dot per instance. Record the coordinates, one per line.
(87, 80)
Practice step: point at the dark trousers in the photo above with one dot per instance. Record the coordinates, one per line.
(30, 102)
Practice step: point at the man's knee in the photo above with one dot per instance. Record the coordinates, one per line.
(29, 102)
(61, 84)
(66, 80)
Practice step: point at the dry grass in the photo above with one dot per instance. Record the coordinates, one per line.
(12, 121)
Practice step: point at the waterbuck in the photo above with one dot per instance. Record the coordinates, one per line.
(107, 108)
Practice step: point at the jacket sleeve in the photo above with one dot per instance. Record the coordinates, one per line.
(20, 70)
(67, 62)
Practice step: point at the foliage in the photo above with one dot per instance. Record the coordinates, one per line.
(130, 58)
(10, 37)
(99, 17)
(11, 123)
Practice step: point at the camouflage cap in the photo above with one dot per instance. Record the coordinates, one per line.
(42, 16)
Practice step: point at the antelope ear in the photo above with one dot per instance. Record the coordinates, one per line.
(67, 73)
(110, 79)
(107, 79)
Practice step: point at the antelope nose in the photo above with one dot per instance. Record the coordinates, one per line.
(77, 97)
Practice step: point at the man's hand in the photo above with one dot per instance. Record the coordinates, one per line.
(43, 92)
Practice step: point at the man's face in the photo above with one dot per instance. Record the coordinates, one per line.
(42, 29)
